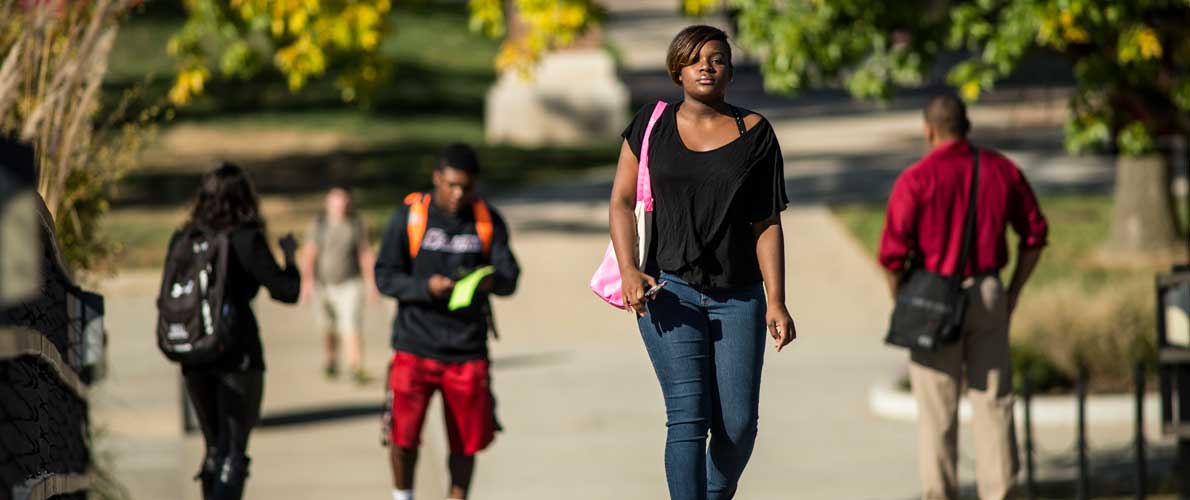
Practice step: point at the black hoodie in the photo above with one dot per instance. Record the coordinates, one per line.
(451, 247)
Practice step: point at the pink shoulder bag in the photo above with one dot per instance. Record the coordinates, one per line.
(606, 282)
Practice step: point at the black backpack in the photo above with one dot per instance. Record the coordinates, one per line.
(194, 321)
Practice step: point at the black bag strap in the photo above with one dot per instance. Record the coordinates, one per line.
(969, 222)
(739, 120)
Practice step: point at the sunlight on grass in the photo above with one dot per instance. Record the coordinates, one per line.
(1078, 224)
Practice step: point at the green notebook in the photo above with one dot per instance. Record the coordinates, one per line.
(464, 291)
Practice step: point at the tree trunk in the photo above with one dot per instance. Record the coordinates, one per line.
(1143, 221)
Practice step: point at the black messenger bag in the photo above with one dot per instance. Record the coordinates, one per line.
(929, 306)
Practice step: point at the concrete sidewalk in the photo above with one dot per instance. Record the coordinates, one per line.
(581, 407)
(583, 412)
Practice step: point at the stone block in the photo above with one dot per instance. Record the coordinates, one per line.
(572, 98)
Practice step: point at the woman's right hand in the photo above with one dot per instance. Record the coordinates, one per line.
(288, 246)
(634, 284)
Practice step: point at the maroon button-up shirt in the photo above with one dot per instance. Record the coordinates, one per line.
(928, 205)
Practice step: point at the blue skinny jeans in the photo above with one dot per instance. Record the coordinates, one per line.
(707, 348)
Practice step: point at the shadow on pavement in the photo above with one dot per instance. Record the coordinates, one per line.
(1111, 472)
(529, 360)
(379, 174)
(330, 413)
(320, 414)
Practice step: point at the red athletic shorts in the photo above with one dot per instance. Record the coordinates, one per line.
(467, 401)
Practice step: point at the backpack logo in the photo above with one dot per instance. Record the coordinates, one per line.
(177, 331)
(179, 290)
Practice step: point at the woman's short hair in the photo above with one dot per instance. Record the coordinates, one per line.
(684, 48)
(226, 199)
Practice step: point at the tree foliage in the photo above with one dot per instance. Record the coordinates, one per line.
(302, 39)
(307, 39)
(545, 25)
(1129, 57)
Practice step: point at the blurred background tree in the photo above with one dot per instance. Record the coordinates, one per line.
(304, 39)
(1131, 99)
(55, 55)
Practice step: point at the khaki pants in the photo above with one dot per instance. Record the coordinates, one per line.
(981, 363)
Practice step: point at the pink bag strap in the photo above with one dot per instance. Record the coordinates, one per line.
(644, 183)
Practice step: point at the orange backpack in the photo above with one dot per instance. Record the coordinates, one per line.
(419, 209)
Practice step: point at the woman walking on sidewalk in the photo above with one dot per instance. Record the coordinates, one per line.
(226, 392)
(718, 183)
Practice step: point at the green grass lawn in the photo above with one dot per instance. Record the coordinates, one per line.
(1073, 309)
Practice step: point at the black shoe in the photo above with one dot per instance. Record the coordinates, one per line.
(208, 472)
(233, 474)
(331, 371)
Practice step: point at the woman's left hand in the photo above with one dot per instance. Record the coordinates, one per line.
(780, 325)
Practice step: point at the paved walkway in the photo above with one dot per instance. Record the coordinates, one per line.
(582, 410)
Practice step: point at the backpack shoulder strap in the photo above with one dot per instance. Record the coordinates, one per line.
(483, 225)
(415, 223)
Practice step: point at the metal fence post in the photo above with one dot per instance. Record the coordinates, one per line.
(1027, 399)
(1083, 488)
(1183, 467)
(1138, 375)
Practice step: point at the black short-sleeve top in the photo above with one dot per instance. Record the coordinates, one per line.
(706, 202)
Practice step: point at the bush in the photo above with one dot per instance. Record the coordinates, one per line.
(1107, 329)
(1044, 375)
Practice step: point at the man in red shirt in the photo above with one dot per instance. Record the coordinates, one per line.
(924, 228)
